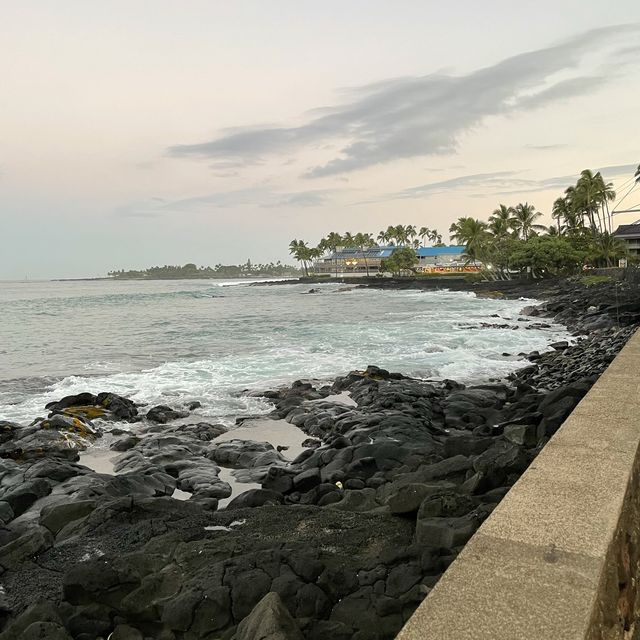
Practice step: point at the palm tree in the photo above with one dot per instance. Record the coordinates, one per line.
(524, 220)
(388, 236)
(587, 192)
(348, 240)
(411, 234)
(606, 194)
(561, 211)
(473, 234)
(608, 247)
(300, 251)
(429, 234)
(331, 244)
(400, 234)
(364, 241)
(501, 221)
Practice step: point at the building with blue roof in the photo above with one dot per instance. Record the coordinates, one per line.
(353, 261)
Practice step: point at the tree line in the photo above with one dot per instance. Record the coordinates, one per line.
(513, 240)
(191, 271)
(399, 236)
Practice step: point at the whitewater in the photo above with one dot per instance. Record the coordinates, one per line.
(175, 342)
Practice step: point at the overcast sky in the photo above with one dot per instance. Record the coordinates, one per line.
(135, 133)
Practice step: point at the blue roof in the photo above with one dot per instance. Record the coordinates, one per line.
(372, 252)
(430, 252)
(385, 252)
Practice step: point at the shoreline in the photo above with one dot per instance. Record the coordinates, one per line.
(351, 535)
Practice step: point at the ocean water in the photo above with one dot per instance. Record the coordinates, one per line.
(172, 342)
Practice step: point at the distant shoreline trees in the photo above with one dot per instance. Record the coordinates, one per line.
(190, 271)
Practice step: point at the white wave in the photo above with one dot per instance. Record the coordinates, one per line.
(175, 349)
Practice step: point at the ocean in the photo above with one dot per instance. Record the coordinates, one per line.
(173, 342)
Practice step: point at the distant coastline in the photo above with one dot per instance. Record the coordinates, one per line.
(155, 278)
(190, 271)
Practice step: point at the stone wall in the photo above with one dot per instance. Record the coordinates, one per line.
(559, 557)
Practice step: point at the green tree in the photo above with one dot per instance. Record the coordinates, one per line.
(401, 260)
(501, 221)
(364, 241)
(302, 253)
(331, 244)
(547, 255)
(471, 233)
(524, 220)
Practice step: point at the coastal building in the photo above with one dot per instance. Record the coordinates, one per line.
(445, 260)
(630, 234)
(348, 261)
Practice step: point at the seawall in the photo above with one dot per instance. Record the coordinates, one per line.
(558, 559)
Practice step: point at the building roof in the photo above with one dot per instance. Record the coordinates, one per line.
(431, 252)
(628, 229)
(353, 252)
(385, 252)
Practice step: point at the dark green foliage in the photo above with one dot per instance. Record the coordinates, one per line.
(191, 271)
(401, 260)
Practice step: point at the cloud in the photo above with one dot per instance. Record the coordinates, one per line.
(426, 115)
(619, 170)
(484, 180)
(503, 183)
(250, 197)
(496, 183)
(545, 147)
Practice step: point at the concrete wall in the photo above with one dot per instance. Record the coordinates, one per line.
(558, 559)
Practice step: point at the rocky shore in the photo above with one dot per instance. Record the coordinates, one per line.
(342, 542)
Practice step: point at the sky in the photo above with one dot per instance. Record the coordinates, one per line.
(136, 133)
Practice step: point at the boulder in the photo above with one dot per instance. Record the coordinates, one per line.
(407, 499)
(163, 414)
(269, 620)
(23, 496)
(256, 498)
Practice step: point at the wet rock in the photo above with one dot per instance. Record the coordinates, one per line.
(307, 480)
(124, 444)
(445, 533)
(56, 516)
(408, 498)
(163, 414)
(22, 497)
(245, 454)
(125, 632)
(402, 578)
(269, 620)
(256, 498)
(28, 545)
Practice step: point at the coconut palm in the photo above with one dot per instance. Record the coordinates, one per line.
(364, 241)
(431, 235)
(524, 220)
(501, 221)
(473, 234)
(331, 244)
(608, 248)
(301, 252)
(382, 238)
(606, 194)
(561, 213)
(348, 240)
(587, 191)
